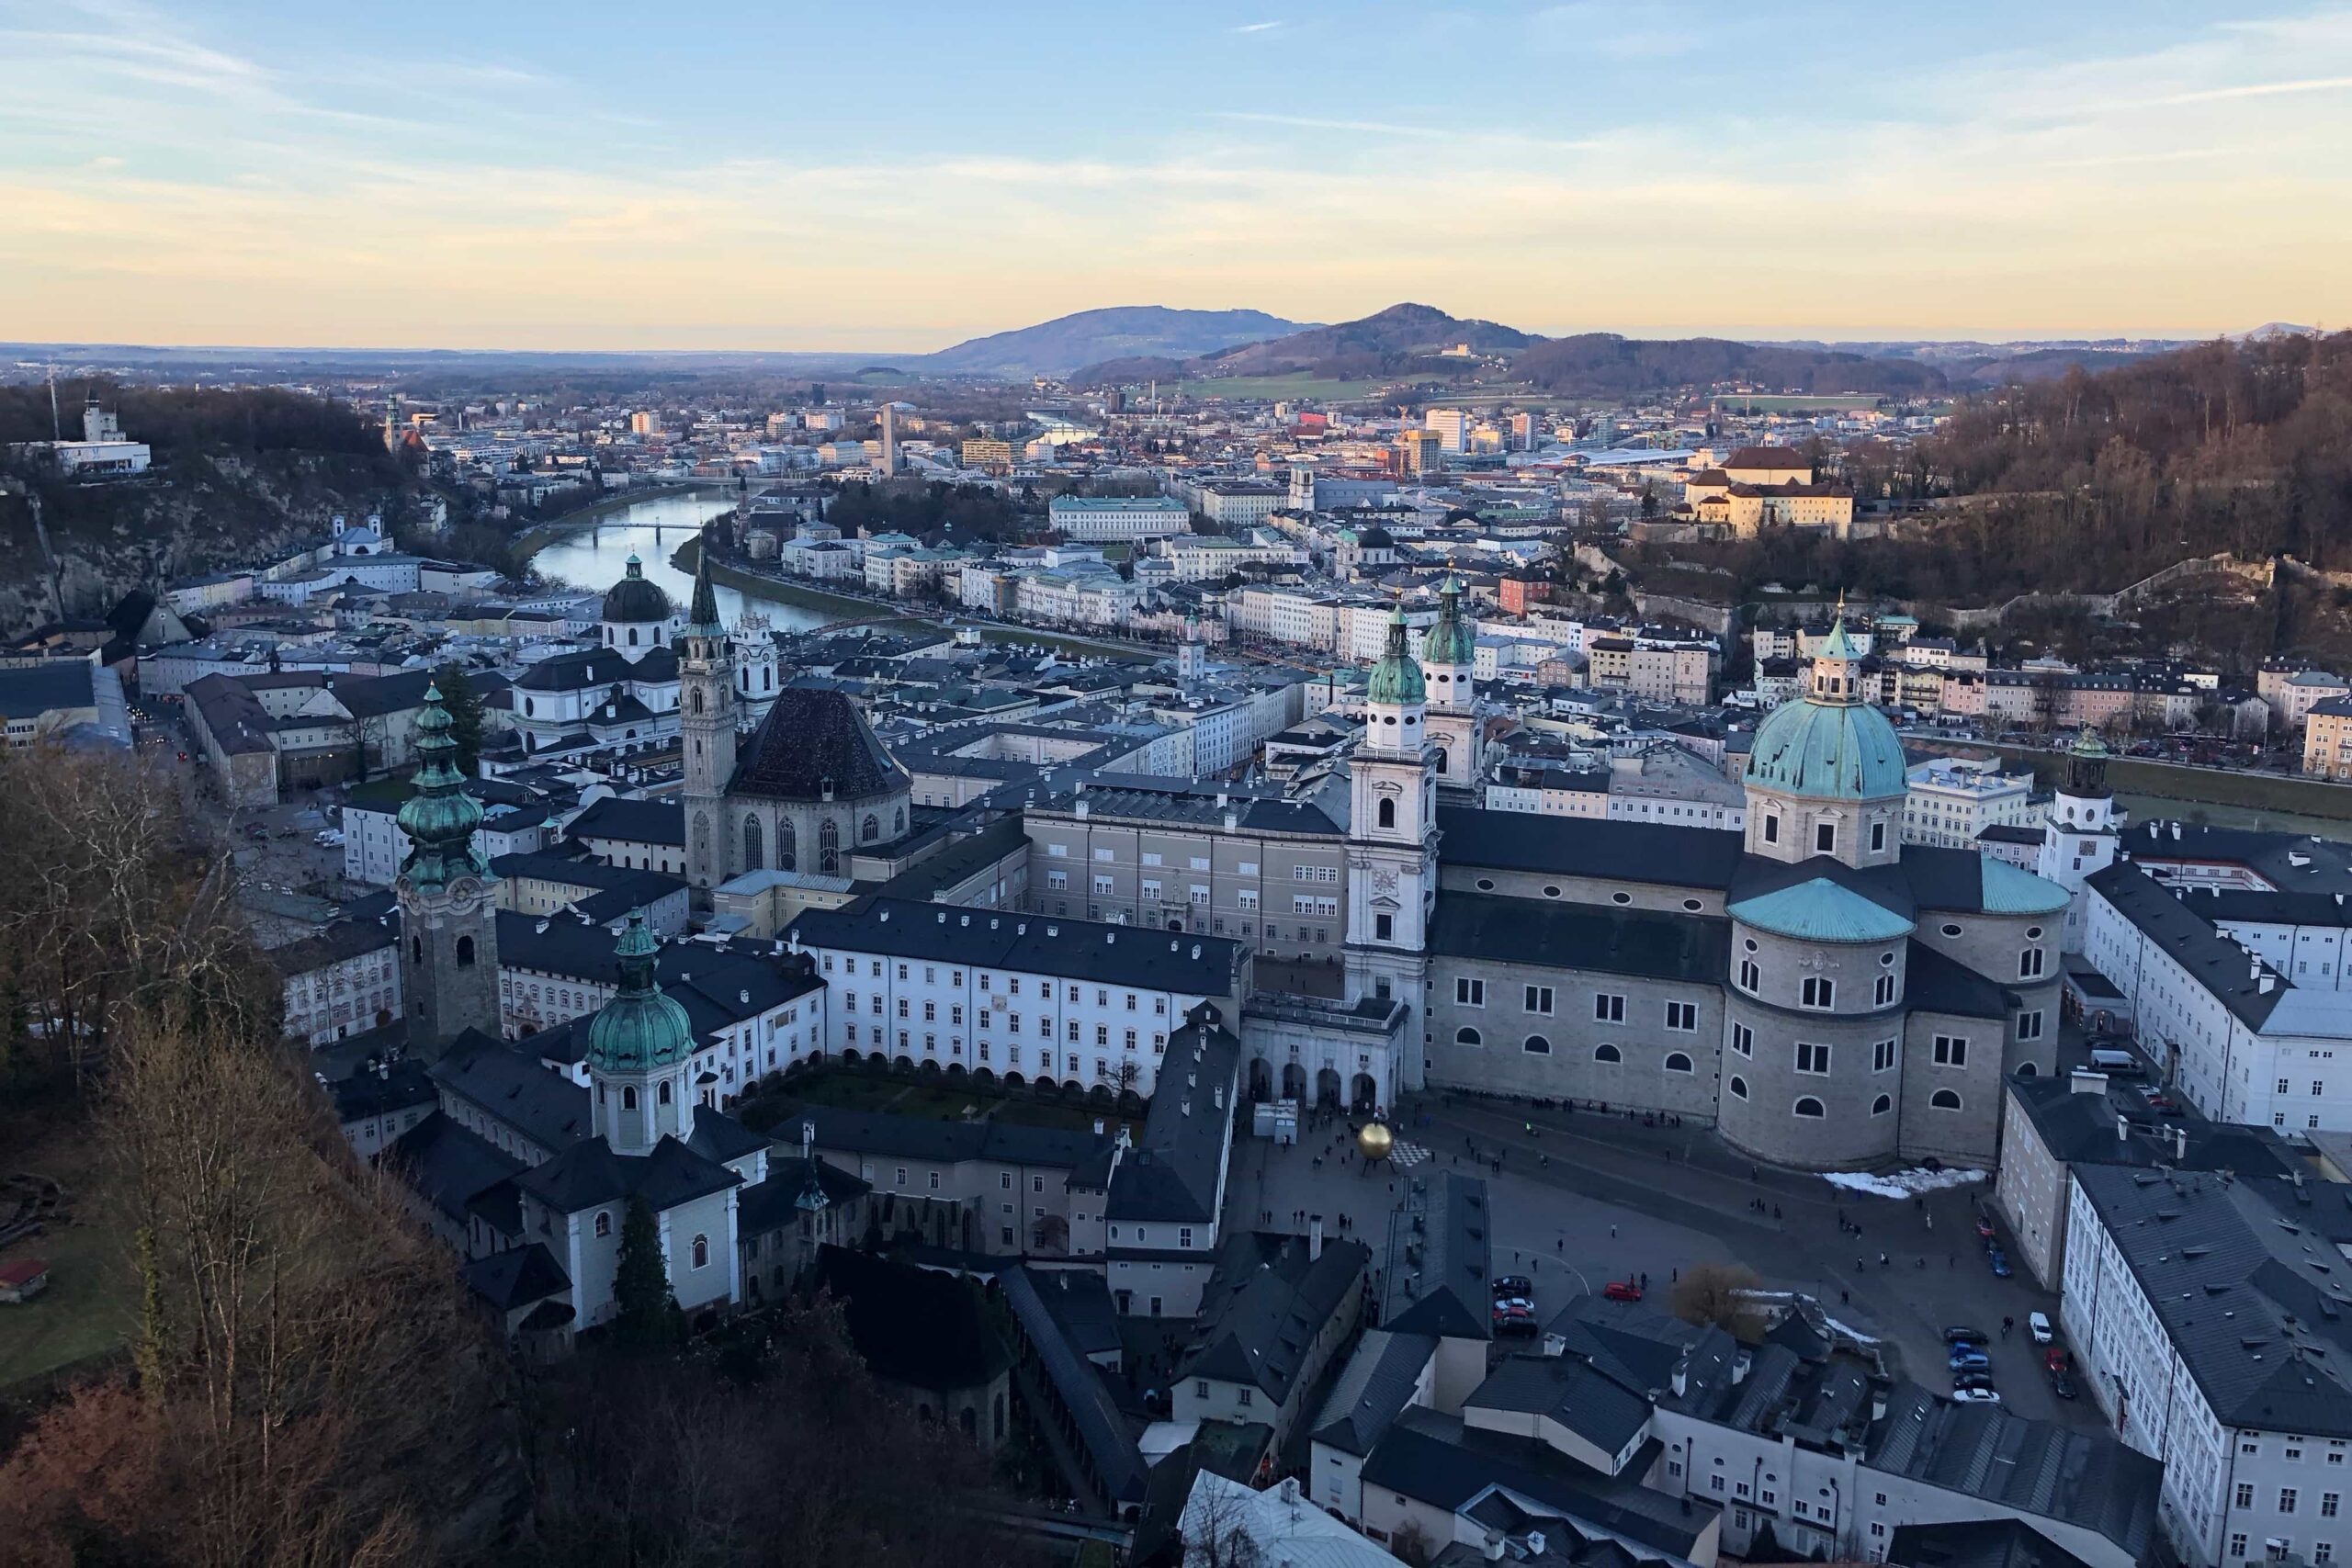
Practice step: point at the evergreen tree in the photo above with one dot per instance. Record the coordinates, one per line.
(648, 1313)
(464, 707)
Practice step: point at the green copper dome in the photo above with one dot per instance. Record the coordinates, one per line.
(440, 818)
(640, 1028)
(1450, 641)
(1397, 679)
(1829, 744)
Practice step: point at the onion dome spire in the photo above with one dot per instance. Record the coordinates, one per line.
(640, 1028)
(440, 818)
(1396, 678)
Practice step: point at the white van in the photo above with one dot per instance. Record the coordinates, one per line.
(2116, 1063)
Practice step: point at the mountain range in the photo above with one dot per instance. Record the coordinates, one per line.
(1121, 332)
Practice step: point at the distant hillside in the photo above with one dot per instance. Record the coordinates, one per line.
(1389, 343)
(2040, 364)
(1603, 363)
(1123, 332)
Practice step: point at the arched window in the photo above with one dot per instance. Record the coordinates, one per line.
(1809, 1106)
(1607, 1053)
(1388, 814)
(665, 1091)
(829, 849)
(869, 829)
(754, 852)
(2028, 1070)
(1676, 1062)
(604, 1222)
(1882, 1105)
(767, 679)
(417, 949)
(629, 1097)
(899, 820)
(702, 1251)
(632, 637)
(1441, 758)
(1466, 1037)
(788, 845)
(1945, 1100)
(696, 703)
(1537, 1046)
(528, 711)
(1739, 1087)
(465, 952)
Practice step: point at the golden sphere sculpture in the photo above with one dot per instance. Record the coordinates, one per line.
(1375, 1140)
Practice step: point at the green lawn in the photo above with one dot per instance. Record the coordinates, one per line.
(91, 1300)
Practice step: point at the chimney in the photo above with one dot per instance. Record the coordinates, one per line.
(1314, 1237)
(2180, 1147)
(2085, 1080)
(1097, 1127)
(1493, 1547)
(1535, 1544)
(2269, 982)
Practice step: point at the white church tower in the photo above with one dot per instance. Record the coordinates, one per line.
(2080, 835)
(1392, 833)
(1449, 663)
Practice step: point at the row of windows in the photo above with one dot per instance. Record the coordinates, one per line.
(1809, 1107)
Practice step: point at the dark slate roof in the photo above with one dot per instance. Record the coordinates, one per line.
(2086, 1478)
(29, 693)
(510, 1086)
(1438, 1269)
(659, 822)
(1373, 1390)
(2282, 909)
(1639, 1347)
(1569, 1390)
(1977, 1543)
(925, 1138)
(1582, 846)
(2079, 1128)
(589, 1173)
(914, 1325)
(1649, 943)
(1095, 952)
(945, 867)
(1439, 1461)
(447, 1163)
(340, 941)
(2241, 1288)
(594, 669)
(364, 1094)
(518, 1275)
(1176, 1171)
(774, 1205)
(1264, 1305)
(1107, 1436)
(1935, 983)
(2216, 962)
(811, 741)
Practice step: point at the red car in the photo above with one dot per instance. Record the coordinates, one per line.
(2054, 1358)
(1623, 1290)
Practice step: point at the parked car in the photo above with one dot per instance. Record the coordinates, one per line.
(2056, 1359)
(1974, 1396)
(1969, 1361)
(1514, 1317)
(2063, 1386)
(1623, 1290)
(1968, 1335)
(1972, 1379)
(1518, 1285)
(1999, 1261)
(2038, 1324)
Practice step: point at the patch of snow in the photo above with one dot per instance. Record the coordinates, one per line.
(1901, 1184)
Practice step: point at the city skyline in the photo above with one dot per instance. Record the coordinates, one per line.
(264, 175)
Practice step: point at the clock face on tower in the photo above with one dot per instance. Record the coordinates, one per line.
(464, 894)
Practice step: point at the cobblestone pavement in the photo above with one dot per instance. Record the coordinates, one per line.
(1584, 1198)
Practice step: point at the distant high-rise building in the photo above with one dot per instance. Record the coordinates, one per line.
(889, 438)
(1452, 427)
(1522, 432)
(1419, 451)
(645, 422)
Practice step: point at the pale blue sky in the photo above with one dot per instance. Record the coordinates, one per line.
(508, 174)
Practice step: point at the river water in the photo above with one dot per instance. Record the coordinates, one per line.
(595, 556)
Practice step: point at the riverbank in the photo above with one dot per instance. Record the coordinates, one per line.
(850, 607)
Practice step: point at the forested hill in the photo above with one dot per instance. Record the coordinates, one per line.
(1602, 364)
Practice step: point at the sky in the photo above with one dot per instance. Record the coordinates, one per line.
(778, 175)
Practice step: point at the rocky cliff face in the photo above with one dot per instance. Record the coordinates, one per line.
(208, 512)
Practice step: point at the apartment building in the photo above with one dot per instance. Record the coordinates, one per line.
(1950, 801)
(1118, 519)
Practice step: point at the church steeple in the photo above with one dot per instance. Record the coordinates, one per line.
(640, 1046)
(707, 732)
(448, 922)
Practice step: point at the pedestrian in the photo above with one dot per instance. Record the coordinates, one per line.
(1776, 1210)
(1843, 1299)
(1561, 1245)
(1883, 1261)
(1613, 1233)
(1645, 1280)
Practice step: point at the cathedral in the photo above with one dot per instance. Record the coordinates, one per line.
(808, 786)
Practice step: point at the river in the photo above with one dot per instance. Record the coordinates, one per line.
(595, 557)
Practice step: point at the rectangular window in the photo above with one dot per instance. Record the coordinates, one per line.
(1771, 836)
(1743, 1040)
(1057, 881)
(1825, 838)
(2286, 1499)
(1538, 1000)
(1103, 885)
(1817, 992)
(2029, 1025)
(2029, 964)
(1812, 1058)
(1878, 837)
(1749, 975)
(1882, 1057)
(1952, 1051)
(1607, 1008)
(1383, 928)
(1469, 993)
(1683, 1016)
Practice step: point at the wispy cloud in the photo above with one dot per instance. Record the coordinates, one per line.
(1257, 27)
(1459, 134)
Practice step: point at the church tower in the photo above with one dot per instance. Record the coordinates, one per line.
(706, 730)
(2080, 835)
(1449, 661)
(1392, 842)
(448, 920)
(641, 1054)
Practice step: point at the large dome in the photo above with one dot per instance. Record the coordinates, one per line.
(633, 599)
(640, 1028)
(1827, 751)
